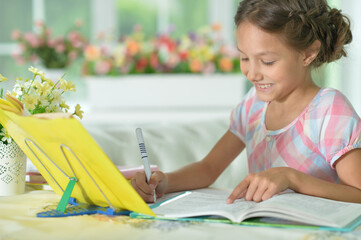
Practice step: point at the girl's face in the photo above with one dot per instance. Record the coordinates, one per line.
(275, 69)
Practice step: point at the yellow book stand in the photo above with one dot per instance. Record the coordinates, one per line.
(73, 164)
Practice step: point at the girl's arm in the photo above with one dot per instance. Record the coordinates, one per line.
(203, 173)
(264, 185)
(348, 169)
(195, 175)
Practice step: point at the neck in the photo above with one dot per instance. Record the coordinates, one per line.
(297, 99)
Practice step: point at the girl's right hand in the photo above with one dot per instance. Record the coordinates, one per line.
(158, 182)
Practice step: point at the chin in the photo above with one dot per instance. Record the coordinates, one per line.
(264, 97)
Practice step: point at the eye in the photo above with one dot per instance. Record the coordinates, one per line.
(244, 59)
(268, 63)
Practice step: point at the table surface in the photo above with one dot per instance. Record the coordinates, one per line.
(18, 221)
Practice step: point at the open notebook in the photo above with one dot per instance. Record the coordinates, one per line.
(61, 149)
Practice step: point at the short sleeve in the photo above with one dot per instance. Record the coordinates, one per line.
(240, 114)
(341, 127)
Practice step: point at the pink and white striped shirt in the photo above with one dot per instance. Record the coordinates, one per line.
(328, 128)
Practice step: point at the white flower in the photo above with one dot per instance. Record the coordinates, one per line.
(56, 98)
(5, 136)
(44, 101)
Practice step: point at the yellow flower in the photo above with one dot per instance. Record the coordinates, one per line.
(49, 81)
(66, 86)
(206, 53)
(63, 105)
(30, 101)
(36, 71)
(2, 78)
(42, 89)
(78, 112)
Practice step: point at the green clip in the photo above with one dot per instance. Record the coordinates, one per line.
(66, 195)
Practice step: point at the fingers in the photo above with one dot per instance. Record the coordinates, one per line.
(239, 191)
(258, 187)
(145, 190)
(158, 180)
(157, 184)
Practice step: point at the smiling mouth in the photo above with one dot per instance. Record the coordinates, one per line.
(264, 86)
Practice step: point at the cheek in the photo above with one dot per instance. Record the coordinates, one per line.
(244, 67)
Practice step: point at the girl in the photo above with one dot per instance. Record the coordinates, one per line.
(297, 136)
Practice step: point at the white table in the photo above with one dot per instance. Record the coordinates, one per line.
(18, 221)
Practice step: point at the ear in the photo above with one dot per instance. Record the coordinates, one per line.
(311, 53)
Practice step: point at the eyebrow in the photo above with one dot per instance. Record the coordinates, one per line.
(261, 53)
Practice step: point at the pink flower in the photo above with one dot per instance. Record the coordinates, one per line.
(51, 42)
(16, 34)
(32, 40)
(39, 23)
(60, 48)
(73, 36)
(73, 55)
(103, 67)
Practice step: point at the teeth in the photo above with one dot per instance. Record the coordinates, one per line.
(264, 86)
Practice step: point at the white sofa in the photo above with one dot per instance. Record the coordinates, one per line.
(170, 145)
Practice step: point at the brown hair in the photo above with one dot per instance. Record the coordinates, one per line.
(301, 22)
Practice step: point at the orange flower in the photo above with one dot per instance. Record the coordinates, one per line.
(195, 65)
(225, 64)
(92, 53)
(133, 47)
(217, 27)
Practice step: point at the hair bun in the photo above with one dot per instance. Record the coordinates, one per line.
(301, 22)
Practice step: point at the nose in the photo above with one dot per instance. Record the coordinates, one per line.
(253, 73)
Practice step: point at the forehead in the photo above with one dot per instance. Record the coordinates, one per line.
(253, 40)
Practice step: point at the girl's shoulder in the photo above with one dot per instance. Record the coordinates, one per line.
(332, 101)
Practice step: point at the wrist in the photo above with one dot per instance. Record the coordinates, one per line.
(293, 179)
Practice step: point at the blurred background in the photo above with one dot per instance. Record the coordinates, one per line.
(102, 32)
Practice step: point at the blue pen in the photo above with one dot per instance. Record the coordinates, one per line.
(144, 155)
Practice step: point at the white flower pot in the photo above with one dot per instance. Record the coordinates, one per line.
(165, 91)
(12, 169)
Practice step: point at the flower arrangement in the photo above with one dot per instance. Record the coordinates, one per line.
(36, 95)
(201, 52)
(52, 52)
